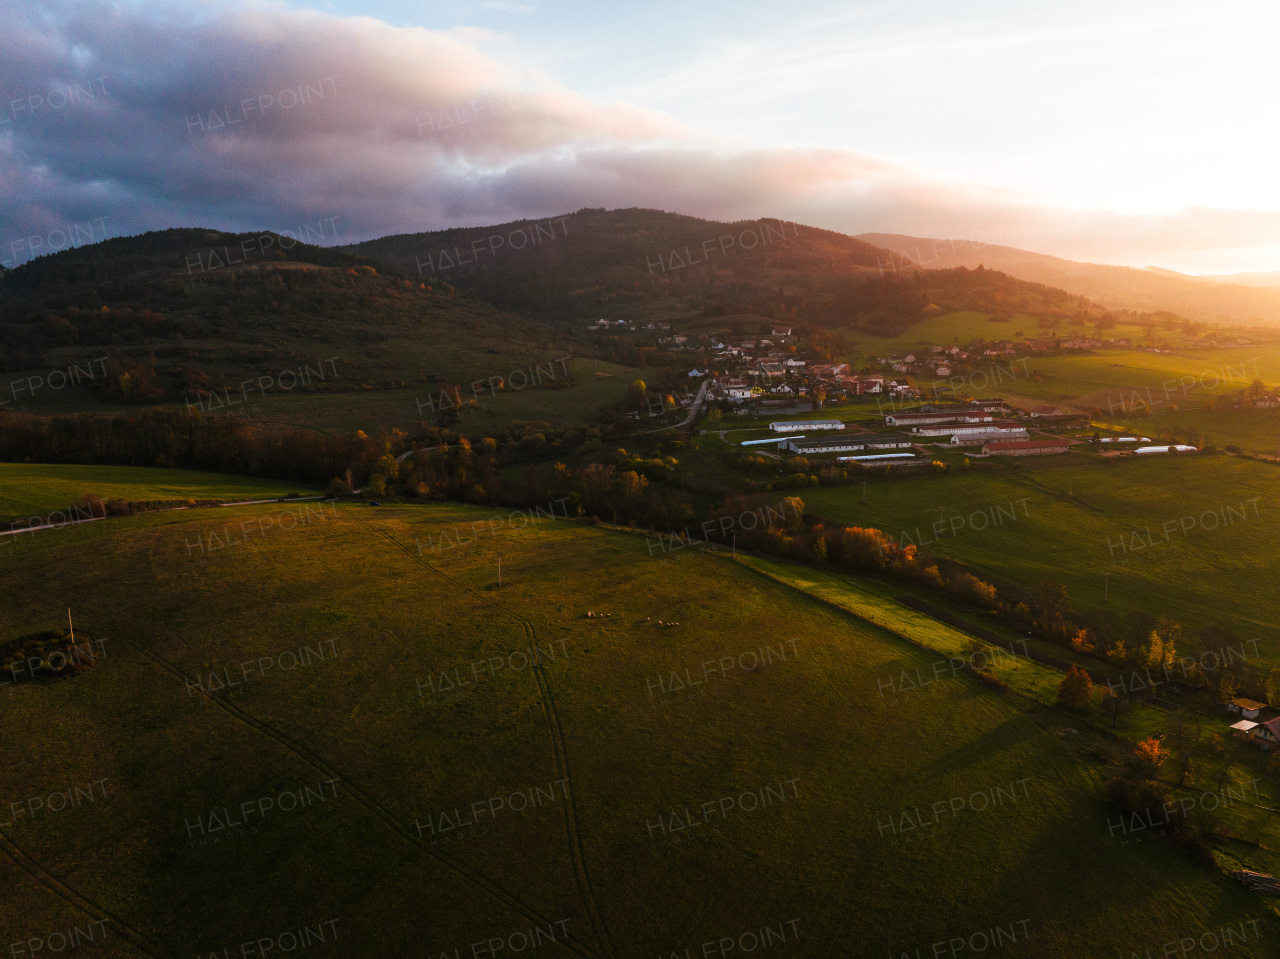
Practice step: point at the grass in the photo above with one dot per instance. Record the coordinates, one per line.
(1073, 518)
(1108, 379)
(32, 489)
(876, 602)
(956, 329)
(597, 384)
(634, 751)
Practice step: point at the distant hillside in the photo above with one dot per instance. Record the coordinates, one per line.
(1271, 280)
(624, 262)
(577, 265)
(1217, 299)
(185, 310)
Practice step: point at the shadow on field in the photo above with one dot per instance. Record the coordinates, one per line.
(1011, 732)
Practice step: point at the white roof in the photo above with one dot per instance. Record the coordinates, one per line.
(776, 439)
(808, 424)
(876, 456)
(1244, 725)
(1179, 447)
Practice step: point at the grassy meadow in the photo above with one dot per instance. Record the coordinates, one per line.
(1178, 535)
(32, 489)
(353, 405)
(649, 800)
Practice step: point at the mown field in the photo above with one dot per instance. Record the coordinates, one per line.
(601, 727)
(1187, 536)
(34, 489)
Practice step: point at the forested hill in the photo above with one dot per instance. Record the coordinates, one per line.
(620, 263)
(591, 261)
(184, 310)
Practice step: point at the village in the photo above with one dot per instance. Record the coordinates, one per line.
(920, 407)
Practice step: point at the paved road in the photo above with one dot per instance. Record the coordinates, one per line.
(693, 410)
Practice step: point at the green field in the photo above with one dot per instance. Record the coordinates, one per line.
(956, 329)
(1109, 379)
(603, 717)
(596, 384)
(29, 489)
(1078, 518)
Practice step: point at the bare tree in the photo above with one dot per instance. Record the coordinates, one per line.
(1182, 741)
(1115, 705)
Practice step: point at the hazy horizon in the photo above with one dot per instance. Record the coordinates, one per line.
(1076, 132)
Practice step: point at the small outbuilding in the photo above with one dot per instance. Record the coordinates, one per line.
(1244, 729)
(1248, 708)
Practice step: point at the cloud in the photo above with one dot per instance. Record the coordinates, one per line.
(262, 117)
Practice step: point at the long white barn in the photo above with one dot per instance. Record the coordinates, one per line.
(799, 426)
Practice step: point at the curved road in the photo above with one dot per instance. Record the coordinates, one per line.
(693, 410)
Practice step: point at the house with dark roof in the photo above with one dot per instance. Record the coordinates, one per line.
(1267, 735)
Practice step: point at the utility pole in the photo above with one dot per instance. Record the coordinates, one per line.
(499, 569)
(1106, 586)
(72, 626)
(735, 543)
(864, 491)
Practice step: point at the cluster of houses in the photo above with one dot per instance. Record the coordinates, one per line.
(793, 377)
(1251, 728)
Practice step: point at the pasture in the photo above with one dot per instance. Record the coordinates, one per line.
(1165, 534)
(410, 702)
(36, 489)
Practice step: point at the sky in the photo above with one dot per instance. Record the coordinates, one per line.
(1135, 133)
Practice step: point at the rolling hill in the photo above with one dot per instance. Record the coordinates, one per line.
(633, 263)
(178, 316)
(382, 740)
(1216, 299)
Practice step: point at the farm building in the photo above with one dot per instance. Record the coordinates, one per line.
(1174, 448)
(886, 441)
(798, 426)
(775, 439)
(1025, 447)
(1062, 421)
(1011, 434)
(846, 443)
(879, 459)
(933, 419)
(995, 426)
(1248, 708)
(1046, 411)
